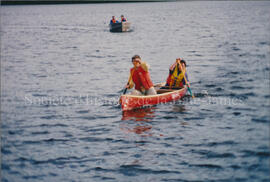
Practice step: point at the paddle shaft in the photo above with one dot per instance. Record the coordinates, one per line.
(130, 77)
(184, 71)
(125, 91)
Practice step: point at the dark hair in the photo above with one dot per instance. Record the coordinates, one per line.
(135, 57)
(183, 61)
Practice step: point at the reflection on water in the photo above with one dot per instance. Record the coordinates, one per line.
(179, 108)
(141, 114)
(142, 118)
(143, 130)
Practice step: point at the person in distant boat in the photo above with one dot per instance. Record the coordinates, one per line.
(123, 19)
(113, 20)
(176, 74)
(140, 76)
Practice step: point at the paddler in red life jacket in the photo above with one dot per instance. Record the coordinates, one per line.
(176, 74)
(139, 75)
(113, 20)
(123, 19)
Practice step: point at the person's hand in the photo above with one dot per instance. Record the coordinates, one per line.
(178, 60)
(188, 85)
(145, 66)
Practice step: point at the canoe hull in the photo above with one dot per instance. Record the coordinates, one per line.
(120, 27)
(129, 102)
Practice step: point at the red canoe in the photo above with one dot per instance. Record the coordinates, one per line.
(129, 102)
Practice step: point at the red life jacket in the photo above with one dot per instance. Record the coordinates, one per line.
(141, 78)
(114, 20)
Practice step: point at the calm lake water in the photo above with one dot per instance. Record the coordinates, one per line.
(62, 72)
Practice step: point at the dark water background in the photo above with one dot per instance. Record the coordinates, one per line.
(61, 76)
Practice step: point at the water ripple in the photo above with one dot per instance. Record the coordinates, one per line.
(86, 137)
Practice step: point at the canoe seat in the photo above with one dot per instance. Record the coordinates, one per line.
(162, 90)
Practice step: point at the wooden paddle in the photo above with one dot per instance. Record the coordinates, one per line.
(125, 89)
(184, 71)
(130, 77)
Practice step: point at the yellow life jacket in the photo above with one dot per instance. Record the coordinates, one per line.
(176, 77)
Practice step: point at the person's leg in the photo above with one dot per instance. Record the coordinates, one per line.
(151, 91)
(136, 92)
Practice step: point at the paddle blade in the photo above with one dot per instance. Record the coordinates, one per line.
(191, 92)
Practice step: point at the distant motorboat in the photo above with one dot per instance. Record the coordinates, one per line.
(120, 27)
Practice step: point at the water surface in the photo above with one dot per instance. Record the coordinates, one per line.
(62, 72)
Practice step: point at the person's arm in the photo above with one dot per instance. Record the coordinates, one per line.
(186, 77)
(130, 83)
(145, 66)
(184, 81)
(171, 69)
(183, 69)
(173, 66)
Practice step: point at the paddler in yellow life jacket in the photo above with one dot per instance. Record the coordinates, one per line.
(176, 74)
